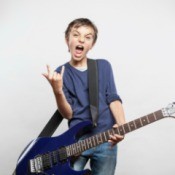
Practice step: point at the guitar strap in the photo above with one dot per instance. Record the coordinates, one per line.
(57, 118)
(93, 89)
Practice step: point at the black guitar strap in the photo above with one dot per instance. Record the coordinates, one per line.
(93, 89)
(51, 125)
(57, 118)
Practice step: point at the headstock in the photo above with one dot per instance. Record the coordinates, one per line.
(169, 111)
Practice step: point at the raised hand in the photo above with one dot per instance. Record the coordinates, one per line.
(55, 79)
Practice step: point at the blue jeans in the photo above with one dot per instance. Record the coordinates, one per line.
(103, 159)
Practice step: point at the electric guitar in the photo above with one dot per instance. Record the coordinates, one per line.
(52, 155)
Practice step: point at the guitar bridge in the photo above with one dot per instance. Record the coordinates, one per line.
(36, 165)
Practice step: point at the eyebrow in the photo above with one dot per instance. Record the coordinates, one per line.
(79, 32)
(90, 34)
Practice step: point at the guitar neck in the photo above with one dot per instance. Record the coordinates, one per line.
(82, 145)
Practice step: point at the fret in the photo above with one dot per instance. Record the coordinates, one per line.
(147, 119)
(99, 139)
(107, 135)
(154, 116)
(93, 138)
(141, 121)
(78, 146)
(83, 145)
(151, 117)
(89, 143)
(121, 131)
(104, 136)
(137, 123)
(127, 128)
(132, 125)
(68, 151)
(112, 131)
(86, 143)
(108, 132)
(70, 148)
(159, 114)
(144, 121)
(117, 130)
(73, 149)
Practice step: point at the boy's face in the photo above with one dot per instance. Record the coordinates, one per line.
(80, 41)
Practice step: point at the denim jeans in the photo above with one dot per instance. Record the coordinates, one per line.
(103, 159)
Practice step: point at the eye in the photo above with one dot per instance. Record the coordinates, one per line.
(75, 34)
(88, 37)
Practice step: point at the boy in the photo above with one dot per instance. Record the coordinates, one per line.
(70, 87)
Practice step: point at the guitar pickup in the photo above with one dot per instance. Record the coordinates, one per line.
(36, 165)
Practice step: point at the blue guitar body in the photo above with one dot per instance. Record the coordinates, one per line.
(43, 145)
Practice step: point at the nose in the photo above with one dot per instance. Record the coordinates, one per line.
(81, 39)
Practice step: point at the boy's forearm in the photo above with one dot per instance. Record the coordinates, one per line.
(118, 112)
(63, 106)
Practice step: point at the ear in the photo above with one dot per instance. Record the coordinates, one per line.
(67, 40)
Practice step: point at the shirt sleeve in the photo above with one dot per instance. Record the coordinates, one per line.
(111, 90)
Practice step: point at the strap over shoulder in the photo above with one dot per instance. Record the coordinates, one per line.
(93, 89)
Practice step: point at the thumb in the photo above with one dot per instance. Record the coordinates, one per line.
(46, 76)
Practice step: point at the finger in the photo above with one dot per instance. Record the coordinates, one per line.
(115, 126)
(48, 68)
(112, 143)
(116, 138)
(119, 136)
(55, 75)
(113, 137)
(45, 75)
(49, 72)
(62, 71)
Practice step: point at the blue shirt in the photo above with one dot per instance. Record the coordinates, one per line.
(75, 87)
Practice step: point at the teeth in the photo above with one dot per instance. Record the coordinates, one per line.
(80, 47)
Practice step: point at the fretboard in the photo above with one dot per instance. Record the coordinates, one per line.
(82, 145)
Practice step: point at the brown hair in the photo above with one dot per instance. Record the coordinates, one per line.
(81, 22)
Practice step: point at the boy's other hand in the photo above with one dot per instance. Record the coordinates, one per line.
(114, 139)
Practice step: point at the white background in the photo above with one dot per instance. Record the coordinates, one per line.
(136, 36)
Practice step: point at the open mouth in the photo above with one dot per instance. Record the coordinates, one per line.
(79, 48)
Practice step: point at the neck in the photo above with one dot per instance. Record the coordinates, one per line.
(78, 63)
